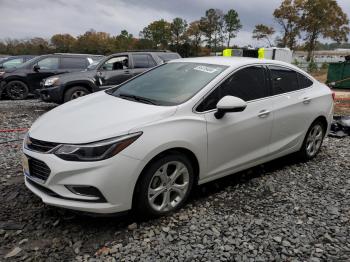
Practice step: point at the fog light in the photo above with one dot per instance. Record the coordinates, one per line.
(88, 191)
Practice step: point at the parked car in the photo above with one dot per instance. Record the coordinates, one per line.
(14, 61)
(144, 144)
(111, 71)
(18, 82)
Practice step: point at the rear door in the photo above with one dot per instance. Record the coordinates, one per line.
(72, 64)
(291, 107)
(142, 62)
(239, 139)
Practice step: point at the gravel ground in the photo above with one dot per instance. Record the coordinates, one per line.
(283, 211)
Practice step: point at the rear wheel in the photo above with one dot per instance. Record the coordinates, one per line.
(164, 186)
(313, 141)
(17, 90)
(75, 92)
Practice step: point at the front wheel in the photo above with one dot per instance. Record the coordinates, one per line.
(17, 90)
(164, 186)
(75, 92)
(313, 141)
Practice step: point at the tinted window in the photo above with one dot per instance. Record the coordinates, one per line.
(304, 82)
(170, 84)
(49, 63)
(73, 62)
(143, 61)
(116, 63)
(248, 84)
(284, 80)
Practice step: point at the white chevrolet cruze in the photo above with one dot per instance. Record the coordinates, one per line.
(145, 144)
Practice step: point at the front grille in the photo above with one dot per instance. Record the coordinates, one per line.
(40, 146)
(38, 169)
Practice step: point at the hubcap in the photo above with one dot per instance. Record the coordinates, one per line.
(168, 186)
(77, 94)
(314, 140)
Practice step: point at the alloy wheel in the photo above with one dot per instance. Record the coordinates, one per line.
(168, 186)
(77, 94)
(314, 140)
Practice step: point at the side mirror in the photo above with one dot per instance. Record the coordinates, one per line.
(229, 104)
(36, 68)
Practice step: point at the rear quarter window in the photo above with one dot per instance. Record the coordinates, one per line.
(304, 82)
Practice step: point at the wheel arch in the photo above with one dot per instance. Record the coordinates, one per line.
(84, 84)
(182, 150)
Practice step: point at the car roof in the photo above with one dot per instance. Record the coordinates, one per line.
(230, 61)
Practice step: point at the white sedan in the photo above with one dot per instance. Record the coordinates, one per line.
(145, 144)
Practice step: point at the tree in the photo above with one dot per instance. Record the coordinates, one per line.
(178, 28)
(194, 33)
(158, 32)
(232, 25)
(209, 26)
(323, 18)
(288, 17)
(63, 43)
(94, 43)
(123, 41)
(263, 32)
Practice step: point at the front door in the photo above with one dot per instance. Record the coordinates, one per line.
(47, 67)
(242, 138)
(114, 71)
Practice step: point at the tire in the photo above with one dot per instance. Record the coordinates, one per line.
(17, 90)
(75, 92)
(312, 141)
(157, 193)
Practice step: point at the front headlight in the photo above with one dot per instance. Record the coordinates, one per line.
(52, 81)
(96, 151)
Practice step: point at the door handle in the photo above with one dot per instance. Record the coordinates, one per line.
(264, 113)
(127, 72)
(306, 100)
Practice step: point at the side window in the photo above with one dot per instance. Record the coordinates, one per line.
(116, 63)
(143, 61)
(49, 63)
(73, 62)
(284, 80)
(248, 84)
(304, 82)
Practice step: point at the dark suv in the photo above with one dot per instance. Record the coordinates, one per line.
(108, 72)
(18, 82)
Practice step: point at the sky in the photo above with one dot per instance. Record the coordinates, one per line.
(43, 18)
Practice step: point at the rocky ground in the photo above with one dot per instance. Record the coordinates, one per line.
(283, 211)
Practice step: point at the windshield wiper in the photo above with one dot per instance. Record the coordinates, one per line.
(138, 98)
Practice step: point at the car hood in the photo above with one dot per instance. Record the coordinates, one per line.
(78, 75)
(95, 117)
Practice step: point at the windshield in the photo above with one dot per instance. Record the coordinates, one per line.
(26, 64)
(168, 56)
(93, 65)
(169, 84)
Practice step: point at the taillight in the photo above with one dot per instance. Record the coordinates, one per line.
(333, 96)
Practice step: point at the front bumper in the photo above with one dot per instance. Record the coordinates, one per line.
(115, 178)
(52, 94)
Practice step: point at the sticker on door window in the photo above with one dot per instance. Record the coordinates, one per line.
(206, 69)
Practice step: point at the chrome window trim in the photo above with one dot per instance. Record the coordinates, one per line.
(194, 109)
